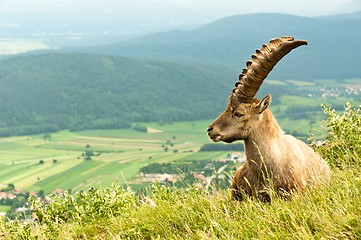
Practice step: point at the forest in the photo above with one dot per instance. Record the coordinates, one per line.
(45, 93)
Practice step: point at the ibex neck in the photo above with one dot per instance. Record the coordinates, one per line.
(263, 137)
(267, 128)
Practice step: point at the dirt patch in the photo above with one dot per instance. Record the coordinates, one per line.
(153, 130)
(153, 177)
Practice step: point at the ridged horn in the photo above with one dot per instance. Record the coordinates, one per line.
(261, 64)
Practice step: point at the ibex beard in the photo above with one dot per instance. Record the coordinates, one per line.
(273, 159)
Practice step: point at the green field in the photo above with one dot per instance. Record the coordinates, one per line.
(118, 155)
(4, 208)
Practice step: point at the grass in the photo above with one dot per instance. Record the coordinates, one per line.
(71, 177)
(4, 208)
(294, 82)
(298, 101)
(327, 212)
(276, 82)
(324, 213)
(207, 155)
(301, 83)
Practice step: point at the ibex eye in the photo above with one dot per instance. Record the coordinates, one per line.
(238, 115)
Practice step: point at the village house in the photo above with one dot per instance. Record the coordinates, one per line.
(199, 176)
(236, 157)
(172, 180)
(4, 195)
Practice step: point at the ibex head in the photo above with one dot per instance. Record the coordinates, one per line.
(244, 111)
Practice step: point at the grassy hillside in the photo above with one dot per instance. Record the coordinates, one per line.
(81, 91)
(230, 41)
(329, 212)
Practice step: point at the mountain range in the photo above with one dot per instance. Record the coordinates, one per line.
(333, 52)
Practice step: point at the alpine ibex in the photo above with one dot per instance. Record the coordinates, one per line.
(274, 160)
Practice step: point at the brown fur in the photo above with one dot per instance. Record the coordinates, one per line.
(274, 159)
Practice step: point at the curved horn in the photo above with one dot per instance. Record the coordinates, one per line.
(261, 65)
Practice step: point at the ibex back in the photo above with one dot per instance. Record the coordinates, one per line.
(274, 160)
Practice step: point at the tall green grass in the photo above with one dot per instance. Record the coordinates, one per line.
(342, 136)
(331, 212)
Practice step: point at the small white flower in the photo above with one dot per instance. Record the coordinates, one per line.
(148, 201)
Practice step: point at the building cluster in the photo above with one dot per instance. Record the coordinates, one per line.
(333, 92)
(232, 158)
(353, 90)
(4, 195)
(7, 198)
(336, 92)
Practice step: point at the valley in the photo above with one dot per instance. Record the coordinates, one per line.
(118, 155)
(56, 160)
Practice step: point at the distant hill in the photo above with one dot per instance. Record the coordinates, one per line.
(333, 52)
(80, 91)
(166, 77)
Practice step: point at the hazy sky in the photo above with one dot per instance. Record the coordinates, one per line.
(151, 14)
(301, 7)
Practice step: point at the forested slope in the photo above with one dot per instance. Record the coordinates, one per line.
(58, 91)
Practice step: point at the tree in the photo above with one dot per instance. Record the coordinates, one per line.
(41, 194)
(88, 152)
(10, 188)
(47, 137)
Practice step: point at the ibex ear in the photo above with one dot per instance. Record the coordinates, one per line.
(264, 104)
